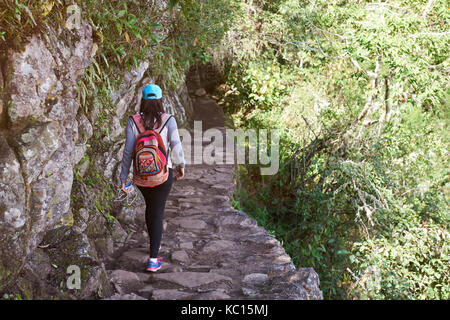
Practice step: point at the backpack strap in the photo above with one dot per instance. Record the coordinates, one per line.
(167, 116)
(137, 119)
(139, 122)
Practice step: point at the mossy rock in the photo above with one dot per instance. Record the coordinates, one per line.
(67, 247)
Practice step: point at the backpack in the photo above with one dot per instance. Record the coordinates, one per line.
(150, 155)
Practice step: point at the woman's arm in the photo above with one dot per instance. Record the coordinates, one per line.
(127, 152)
(177, 149)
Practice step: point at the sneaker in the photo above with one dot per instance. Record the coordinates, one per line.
(152, 267)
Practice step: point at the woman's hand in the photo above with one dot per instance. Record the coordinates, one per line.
(123, 188)
(180, 173)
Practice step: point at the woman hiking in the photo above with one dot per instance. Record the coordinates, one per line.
(152, 140)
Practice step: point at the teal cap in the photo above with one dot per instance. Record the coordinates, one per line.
(151, 91)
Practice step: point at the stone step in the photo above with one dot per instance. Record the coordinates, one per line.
(191, 279)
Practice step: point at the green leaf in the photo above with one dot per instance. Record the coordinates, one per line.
(28, 11)
(119, 27)
(106, 60)
(136, 34)
(133, 19)
(173, 3)
(156, 25)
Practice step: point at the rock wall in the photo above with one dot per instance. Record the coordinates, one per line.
(45, 135)
(39, 141)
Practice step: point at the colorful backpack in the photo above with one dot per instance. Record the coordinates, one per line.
(150, 155)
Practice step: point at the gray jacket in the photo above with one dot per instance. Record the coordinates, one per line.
(171, 140)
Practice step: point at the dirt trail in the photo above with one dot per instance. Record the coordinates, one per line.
(209, 250)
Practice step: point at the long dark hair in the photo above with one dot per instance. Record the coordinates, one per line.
(151, 108)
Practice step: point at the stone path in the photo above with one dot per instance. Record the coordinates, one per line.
(209, 250)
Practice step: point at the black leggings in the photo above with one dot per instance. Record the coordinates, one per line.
(155, 201)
